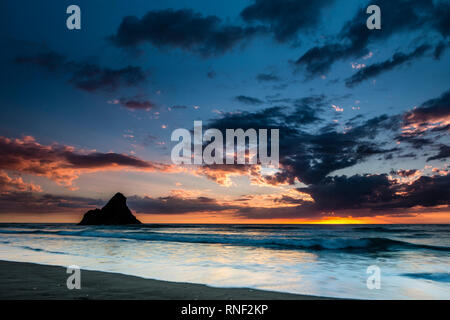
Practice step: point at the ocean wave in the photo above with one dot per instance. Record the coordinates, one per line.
(42, 250)
(279, 242)
(20, 231)
(384, 229)
(389, 229)
(438, 277)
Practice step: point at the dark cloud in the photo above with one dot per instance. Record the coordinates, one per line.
(90, 77)
(444, 153)
(137, 104)
(62, 163)
(307, 109)
(267, 118)
(355, 192)
(211, 74)
(408, 155)
(376, 69)
(440, 49)
(377, 192)
(179, 107)
(304, 115)
(286, 17)
(357, 195)
(318, 60)
(310, 157)
(360, 196)
(16, 184)
(184, 29)
(49, 60)
(248, 100)
(432, 111)
(175, 205)
(86, 75)
(354, 38)
(415, 141)
(29, 202)
(425, 127)
(405, 173)
(426, 192)
(98, 160)
(313, 156)
(266, 77)
(441, 17)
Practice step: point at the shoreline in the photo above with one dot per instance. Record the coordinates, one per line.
(31, 281)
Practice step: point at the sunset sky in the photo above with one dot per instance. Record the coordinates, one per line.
(364, 115)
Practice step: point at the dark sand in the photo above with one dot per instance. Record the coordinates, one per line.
(26, 281)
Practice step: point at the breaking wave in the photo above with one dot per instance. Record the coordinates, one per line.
(438, 277)
(314, 243)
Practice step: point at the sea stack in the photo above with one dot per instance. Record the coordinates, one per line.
(115, 212)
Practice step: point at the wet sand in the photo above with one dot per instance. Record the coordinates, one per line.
(26, 281)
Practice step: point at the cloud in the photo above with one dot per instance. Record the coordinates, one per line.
(137, 104)
(16, 184)
(440, 49)
(286, 17)
(425, 126)
(211, 74)
(444, 153)
(63, 164)
(337, 108)
(353, 39)
(271, 117)
(267, 77)
(248, 100)
(376, 69)
(432, 115)
(179, 107)
(311, 156)
(183, 29)
(30, 202)
(378, 192)
(176, 205)
(307, 109)
(441, 17)
(338, 196)
(355, 192)
(361, 196)
(85, 75)
(405, 173)
(222, 173)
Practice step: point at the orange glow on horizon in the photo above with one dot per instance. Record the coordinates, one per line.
(222, 218)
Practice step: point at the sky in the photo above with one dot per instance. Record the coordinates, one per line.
(363, 115)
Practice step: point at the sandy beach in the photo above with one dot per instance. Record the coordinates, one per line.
(24, 281)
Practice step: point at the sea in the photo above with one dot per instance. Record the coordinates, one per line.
(343, 261)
